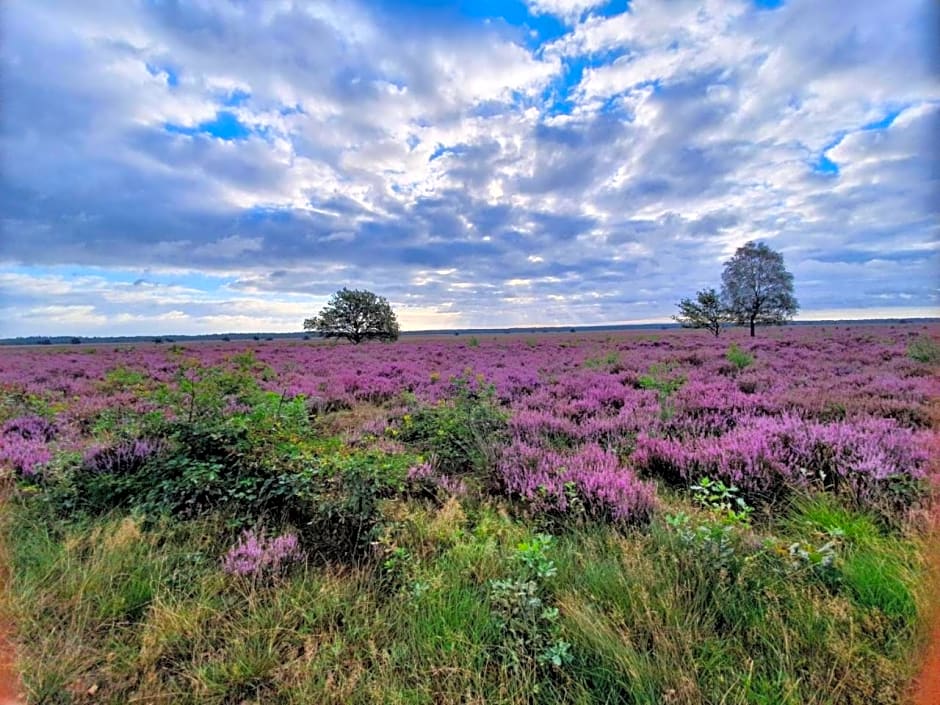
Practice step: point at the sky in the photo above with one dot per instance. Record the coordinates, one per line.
(225, 165)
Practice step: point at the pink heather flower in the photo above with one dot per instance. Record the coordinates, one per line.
(24, 455)
(127, 456)
(23, 444)
(256, 555)
(452, 485)
(422, 471)
(607, 490)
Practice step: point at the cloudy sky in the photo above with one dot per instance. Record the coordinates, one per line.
(224, 165)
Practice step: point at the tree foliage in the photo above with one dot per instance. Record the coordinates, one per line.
(356, 315)
(756, 287)
(706, 311)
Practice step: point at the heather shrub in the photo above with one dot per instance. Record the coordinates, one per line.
(29, 428)
(588, 483)
(25, 457)
(109, 476)
(425, 480)
(23, 444)
(256, 555)
(873, 462)
(127, 457)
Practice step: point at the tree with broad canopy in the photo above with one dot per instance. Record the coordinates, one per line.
(756, 287)
(356, 315)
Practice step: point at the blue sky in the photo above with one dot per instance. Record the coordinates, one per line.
(225, 165)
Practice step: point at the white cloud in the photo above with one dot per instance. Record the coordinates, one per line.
(569, 10)
(635, 151)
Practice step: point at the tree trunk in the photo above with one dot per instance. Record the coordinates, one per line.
(752, 327)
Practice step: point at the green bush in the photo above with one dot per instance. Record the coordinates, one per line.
(609, 360)
(738, 358)
(924, 349)
(339, 501)
(523, 606)
(665, 380)
(461, 434)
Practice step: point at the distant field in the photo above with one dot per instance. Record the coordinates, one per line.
(631, 516)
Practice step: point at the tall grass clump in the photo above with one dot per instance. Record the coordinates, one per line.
(924, 349)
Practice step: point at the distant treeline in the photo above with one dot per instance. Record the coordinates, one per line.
(226, 337)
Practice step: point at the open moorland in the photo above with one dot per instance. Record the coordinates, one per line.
(627, 518)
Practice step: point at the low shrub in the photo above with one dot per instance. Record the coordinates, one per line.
(589, 483)
(256, 555)
(523, 606)
(462, 435)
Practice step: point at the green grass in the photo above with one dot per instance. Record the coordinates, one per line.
(132, 611)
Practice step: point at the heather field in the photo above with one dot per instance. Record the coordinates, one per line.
(661, 517)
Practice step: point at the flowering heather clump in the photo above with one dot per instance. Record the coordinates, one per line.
(30, 428)
(24, 456)
(425, 478)
(452, 485)
(126, 457)
(763, 454)
(256, 555)
(420, 472)
(552, 482)
(23, 444)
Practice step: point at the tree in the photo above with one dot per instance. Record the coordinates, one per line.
(355, 315)
(705, 312)
(756, 288)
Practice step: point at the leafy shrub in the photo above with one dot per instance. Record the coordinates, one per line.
(462, 434)
(722, 499)
(522, 603)
(339, 501)
(708, 542)
(609, 360)
(924, 349)
(819, 560)
(207, 394)
(662, 378)
(121, 378)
